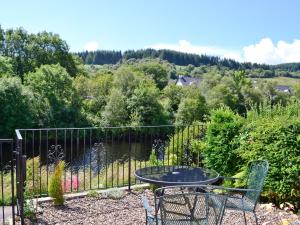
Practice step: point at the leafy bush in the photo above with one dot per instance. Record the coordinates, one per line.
(274, 135)
(29, 210)
(55, 184)
(114, 193)
(154, 161)
(184, 147)
(222, 142)
(93, 194)
(36, 177)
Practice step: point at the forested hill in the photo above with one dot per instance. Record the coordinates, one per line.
(101, 57)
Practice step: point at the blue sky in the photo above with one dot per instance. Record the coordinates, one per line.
(256, 30)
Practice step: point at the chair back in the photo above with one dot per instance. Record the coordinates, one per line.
(186, 206)
(257, 172)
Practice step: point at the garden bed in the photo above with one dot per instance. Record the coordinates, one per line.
(128, 210)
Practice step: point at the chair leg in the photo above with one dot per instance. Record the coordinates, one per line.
(245, 217)
(255, 218)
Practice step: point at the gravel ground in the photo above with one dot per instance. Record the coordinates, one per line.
(129, 211)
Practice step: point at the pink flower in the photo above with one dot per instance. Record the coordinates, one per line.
(74, 183)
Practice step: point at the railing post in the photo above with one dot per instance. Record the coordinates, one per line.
(20, 176)
(22, 186)
(13, 161)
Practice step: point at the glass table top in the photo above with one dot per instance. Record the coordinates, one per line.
(176, 175)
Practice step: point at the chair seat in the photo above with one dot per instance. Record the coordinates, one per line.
(237, 203)
(152, 221)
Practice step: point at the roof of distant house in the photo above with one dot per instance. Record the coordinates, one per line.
(187, 81)
(283, 88)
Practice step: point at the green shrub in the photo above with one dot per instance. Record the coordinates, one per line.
(275, 136)
(93, 194)
(36, 177)
(55, 184)
(184, 146)
(113, 193)
(222, 139)
(29, 210)
(154, 161)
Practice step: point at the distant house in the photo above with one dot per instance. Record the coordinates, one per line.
(283, 88)
(187, 81)
(89, 97)
(280, 88)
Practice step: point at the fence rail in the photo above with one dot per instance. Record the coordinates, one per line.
(95, 158)
(99, 158)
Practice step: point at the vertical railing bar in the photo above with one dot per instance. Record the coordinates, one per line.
(56, 142)
(25, 142)
(98, 161)
(145, 143)
(135, 147)
(107, 155)
(22, 173)
(77, 143)
(12, 183)
(198, 151)
(129, 161)
(33, 184)
(168, 142)
(77, 166)
(17, 176)
(118, 163)
(182, 146)
(91, 151)
(151, 142)
(2, 182)
(84, 133)
(140, 144)
(123, 162)
(188, 145)
(112, 156)
(177, 156)
(47, 161)
(65, 157)
(71, 160)
(40, 164)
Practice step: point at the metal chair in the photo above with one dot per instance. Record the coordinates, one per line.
(185, 205)
(245, 199)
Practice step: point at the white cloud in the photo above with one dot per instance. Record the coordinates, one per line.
(262, 52)
(91, 46)
(266, 52)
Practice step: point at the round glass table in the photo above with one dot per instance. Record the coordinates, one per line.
(176, 175)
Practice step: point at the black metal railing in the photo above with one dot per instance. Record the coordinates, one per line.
(95, 158)
(100, 158)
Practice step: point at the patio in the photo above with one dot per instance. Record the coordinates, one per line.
(128, 210)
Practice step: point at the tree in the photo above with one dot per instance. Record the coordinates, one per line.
(6, 68)
(157, 72)
(144, 106)
(53, 90)
(222, 141)
(2, 34)
(115, 112)
(222, 95)
(17, 106)
(190, 110)
(174, 93)
(29, 51)
(127, 80)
